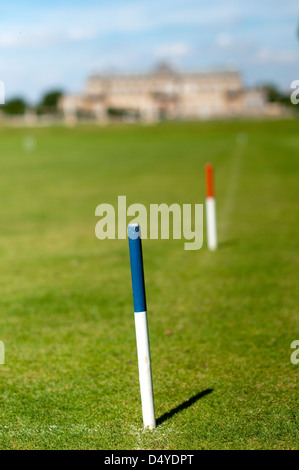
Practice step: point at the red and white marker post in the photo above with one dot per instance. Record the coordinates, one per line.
(211, 209)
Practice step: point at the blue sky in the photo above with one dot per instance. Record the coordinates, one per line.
(45, 45)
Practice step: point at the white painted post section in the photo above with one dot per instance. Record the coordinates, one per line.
(145, 372)
(211, 223)
(211, 209)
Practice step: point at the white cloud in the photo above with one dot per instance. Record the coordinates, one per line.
(78, 34)
(178, 49)
(10, 39)
(88, 21)
(37, 38)
(223, 40)
(269, 56)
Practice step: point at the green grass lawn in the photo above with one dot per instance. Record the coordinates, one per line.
(221, 324)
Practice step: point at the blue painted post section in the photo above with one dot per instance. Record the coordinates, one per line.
(137, 268)
(141, 327)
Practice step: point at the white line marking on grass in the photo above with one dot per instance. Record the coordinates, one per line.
(232, 184)
(158, 435)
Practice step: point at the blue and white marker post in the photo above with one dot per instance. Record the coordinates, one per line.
(141, 327)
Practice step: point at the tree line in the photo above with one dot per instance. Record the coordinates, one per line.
(48, 104)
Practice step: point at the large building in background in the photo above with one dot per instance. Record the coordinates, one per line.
(164, 94)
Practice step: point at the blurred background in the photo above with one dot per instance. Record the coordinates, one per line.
(141, 60)
(134, 97)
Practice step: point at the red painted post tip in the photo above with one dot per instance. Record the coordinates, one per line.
(209, 180)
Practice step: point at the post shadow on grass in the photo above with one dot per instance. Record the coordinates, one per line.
(183, 405)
